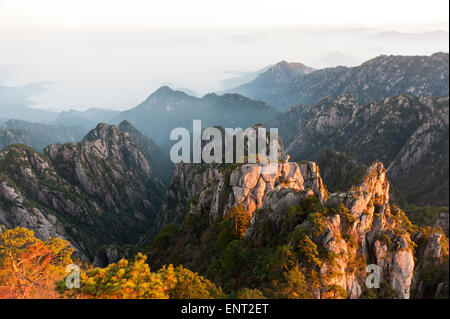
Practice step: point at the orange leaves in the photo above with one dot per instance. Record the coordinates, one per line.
(240, 219)
(28, 266)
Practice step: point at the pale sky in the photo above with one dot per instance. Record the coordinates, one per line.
(114, 53)
(212, 13)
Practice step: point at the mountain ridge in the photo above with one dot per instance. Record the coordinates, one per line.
(178, 109)
(404, 132)
(377, 78)
(100, 191)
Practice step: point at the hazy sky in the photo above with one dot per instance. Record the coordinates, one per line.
(114, 53)
(211, 13)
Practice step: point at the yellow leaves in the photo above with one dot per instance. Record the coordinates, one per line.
(122, 280)
(122, 263)
(15, 241)
(134, 280)
(28, 266)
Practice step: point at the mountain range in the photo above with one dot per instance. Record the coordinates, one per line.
(100, 191)
(408, 134)
(178, 109)
(378, 78)
(358, 143)
(87, 119)
(244, 228)
(15, 103)
(37, 135)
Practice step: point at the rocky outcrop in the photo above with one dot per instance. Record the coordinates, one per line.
(217, 188)
(110, 168)
(425, 157)
(97, 192)
(187, 181)
(431, 273)
(369, 227)
(13, 212)
(408, 134)
(361, 227)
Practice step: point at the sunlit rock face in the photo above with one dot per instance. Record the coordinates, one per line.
(369, 229)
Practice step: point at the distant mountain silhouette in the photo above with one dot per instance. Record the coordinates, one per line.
(167, 109)
(373, 80)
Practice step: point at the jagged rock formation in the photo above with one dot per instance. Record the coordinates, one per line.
(361, 224)
(100, 191)
(425, 154)
(373, 80)
(187, 179)
(119, 184)
(431, 273)
(408, 134)
(162, 166)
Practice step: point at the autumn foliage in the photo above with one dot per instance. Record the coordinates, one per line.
(32, 268)
(29, 267)
(240, 220)
(134, 280)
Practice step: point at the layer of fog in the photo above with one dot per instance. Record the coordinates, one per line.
(118, 69)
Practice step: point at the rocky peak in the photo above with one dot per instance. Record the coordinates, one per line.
(360, 224)
(103, 131)
(99, 191)
(440, 56)
(295, 67)
(79, 163)
(373, 80)
(163, 90)
(126, 126)
(283, 72)
(368, 217)
(217, 188)
(407, 133)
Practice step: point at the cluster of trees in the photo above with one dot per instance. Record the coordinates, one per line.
(134, 280)
(284, 259)
(30, 267)
(281, 262)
